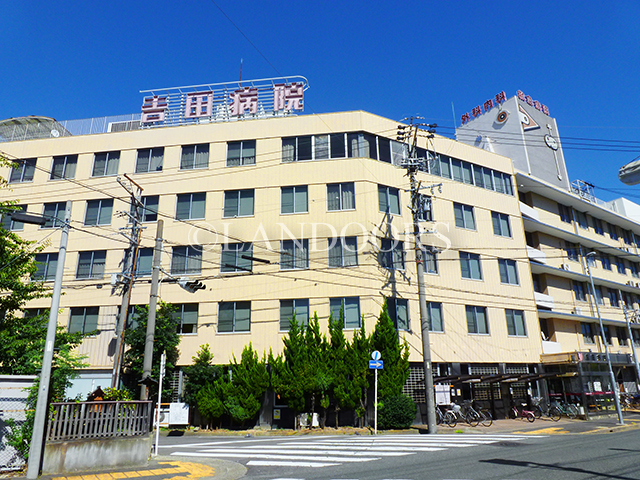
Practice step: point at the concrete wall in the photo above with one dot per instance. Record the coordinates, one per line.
(95, 454)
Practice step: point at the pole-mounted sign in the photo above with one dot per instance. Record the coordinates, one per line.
(375, 364)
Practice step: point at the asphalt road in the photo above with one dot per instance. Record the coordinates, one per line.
(412, 456)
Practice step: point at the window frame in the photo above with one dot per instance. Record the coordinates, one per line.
(239, 264)
(56, 220)
(26, 166)
(93, 262)
(473, 310)
(346, 304)
(285, 322)
(196, 151)
(392, 311)
(242, 157)
(102, 205)
(180, 314)
(341, 243)
(461, 214)
(69, 166)
(111, 158)
(192, 253)
(159, 153)
(468, 259)
(431, 307)
(300, 254)
(11, 225)
(512, 325)
(50, 267)
(340, 200)
(392, 255)
(145, 254)
(501, 221)
(239, 199)
(385, 205)
(234, 316)
(84, 330)
(430, 262)
(146, 209)
(588, 334)
(192, 200)
(294, 193)
(508, 268)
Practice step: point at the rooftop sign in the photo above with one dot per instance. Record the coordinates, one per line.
(223, 101)
(500, 98)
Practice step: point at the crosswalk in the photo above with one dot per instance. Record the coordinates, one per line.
(325, 451)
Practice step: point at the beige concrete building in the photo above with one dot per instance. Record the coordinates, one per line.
(321, 198)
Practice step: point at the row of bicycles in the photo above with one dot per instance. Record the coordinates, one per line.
(452, 414)
(630, 401)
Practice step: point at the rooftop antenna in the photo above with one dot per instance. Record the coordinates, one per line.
(241, 72)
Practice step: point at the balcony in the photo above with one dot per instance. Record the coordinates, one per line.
(549, 347)
(543, 300)
(536, 255)
(528, 211)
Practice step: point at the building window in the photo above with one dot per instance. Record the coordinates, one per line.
(54, 214)
(341, 196)
(477, 320)
(599, 297)
(149, 160)
(91, 264)
(597, 226)
(398, 309)
(8, 223)
(98, 212)
(425, 208)
(388, 200)
(233, 257)
(144, 262)
(194, 156)
(47, 266)
(580, 291)
(501, 224)
(298, 306)
(515, 323)
(587, 333)
(238, 203)
(464, 216)
(430, 262)
(621, 333)
(186, 260)
(241, 153)
(628, 237)
(105, 164)
(470, 266)
(620, 265)
(343, 252)
(22, 170)
(508, 271)
(294, 254)
(565, 213)
(297, 149)
(294, 199)
(392, 254)
(613, 232)
(187, 316)
(234, 317)
(582, 220)
(606, 262)
(434, 311)
(64, 167)
(573, 251)
(149, 208)
(190, 206)
(350, 307)
(636, 337)
(635, 270)
(614, 298)
(83, 319)
(35, 312)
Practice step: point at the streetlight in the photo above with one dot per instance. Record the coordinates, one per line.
(604, 340)
(39, 423)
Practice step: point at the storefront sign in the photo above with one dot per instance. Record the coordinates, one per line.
(500, 98)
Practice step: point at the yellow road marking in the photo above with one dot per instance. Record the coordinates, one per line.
(190, 471)
(544, 431)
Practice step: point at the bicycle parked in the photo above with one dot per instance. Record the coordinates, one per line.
(521, 412)
(540, 408)
(465, 413)
(630, 401)
(567, 409)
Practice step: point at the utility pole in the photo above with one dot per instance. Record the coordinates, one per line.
(128, 272)
(42, 404)
(151, 319)
(413, 164)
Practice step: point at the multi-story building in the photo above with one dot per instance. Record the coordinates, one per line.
(568, 230)
(277, 213)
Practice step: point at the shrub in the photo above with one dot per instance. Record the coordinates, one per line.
(396, 412)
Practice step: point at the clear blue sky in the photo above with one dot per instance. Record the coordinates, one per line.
(79, 59)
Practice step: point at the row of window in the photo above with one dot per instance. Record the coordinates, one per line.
(606, 261)
(237, 203)
(590, 332)
(569, 215)
(581, 289)
(235, 317)
(465, 218)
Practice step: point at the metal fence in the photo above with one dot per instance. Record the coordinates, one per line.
(78, 420)
(13, 401)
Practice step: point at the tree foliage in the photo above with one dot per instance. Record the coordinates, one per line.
(166, 339)
(202, 373)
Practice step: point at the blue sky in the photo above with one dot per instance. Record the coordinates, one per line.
(78, 59)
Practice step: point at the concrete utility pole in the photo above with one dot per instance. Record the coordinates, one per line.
(603, 338)
(42, 404)
(151, 319)
(128, 273)
(413, 164)
(633, 345)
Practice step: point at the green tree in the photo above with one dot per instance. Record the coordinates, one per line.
(290, 376)
(250, 381)
(166, 339)
(359, 354)
(209, 400)
(344, 392)
(200, 374)
(395, 356)
(319, 369)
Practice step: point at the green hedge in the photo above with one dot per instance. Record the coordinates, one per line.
(396, 412)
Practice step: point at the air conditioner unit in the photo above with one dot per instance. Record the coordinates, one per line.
(565, 266)
(577, 311)
(124, 126)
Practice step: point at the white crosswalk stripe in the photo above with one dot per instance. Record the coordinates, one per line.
(317, 452)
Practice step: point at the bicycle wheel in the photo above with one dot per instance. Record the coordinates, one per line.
(530, 416)
(487, 419)
(472, 418)
(554, 414)
(438, 417)
(450, 419)
(512, 413)
(572, 411)
(537, 411)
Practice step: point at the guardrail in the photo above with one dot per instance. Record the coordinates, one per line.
(103, 419)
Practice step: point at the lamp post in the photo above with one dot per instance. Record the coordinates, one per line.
(42, 404)
(604, 340)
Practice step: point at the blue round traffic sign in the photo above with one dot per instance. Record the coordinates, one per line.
(375, 355)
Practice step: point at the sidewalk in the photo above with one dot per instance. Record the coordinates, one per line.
(183, 468)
